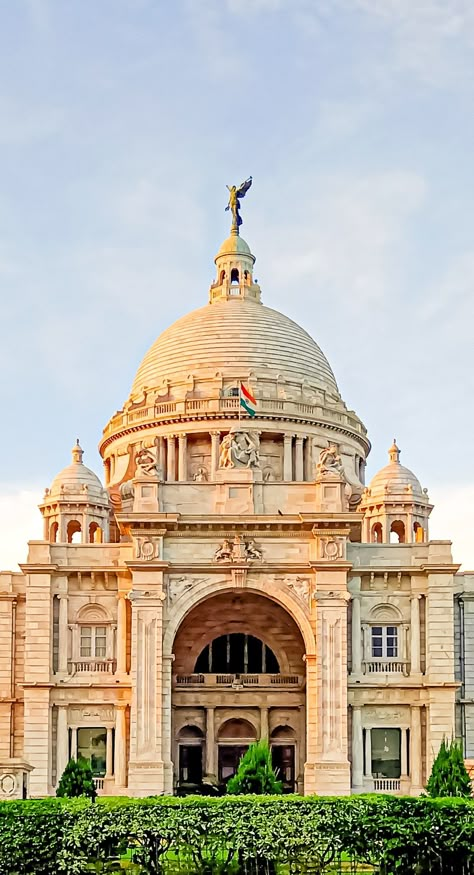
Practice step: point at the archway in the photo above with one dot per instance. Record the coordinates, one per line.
(238, 664)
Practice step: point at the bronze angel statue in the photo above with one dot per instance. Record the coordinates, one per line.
(236, 192)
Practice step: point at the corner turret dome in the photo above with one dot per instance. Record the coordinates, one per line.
(394, 477)
(76, 479)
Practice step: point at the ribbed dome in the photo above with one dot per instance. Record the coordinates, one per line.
(234, 337)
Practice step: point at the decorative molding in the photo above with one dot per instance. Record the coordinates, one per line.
(147, 549)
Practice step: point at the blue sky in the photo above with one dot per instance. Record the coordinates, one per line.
(121, 121)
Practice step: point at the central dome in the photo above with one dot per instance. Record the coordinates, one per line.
(234, 336)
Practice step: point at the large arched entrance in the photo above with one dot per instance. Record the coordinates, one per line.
(238, 675)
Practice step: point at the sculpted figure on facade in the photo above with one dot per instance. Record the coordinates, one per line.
(224, 552)
(200, 476)
(330, 463)
(238, 551)
(147, 463)
(239, 449)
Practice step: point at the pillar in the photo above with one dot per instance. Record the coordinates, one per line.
(416, 761)
(404, 753)
(109, 754)
(215, 438)
(299, 472)
(121, 633)
(74, 743)
(311, 723)
(182, 457)
(62, 742)
(287, 457)
(308, 460)
(210, 742)
(171, 457)
(63, 633)
(120, 745)
(264, 729)
(162, 455)
(415, 634)
(356, 636)
(368, 753)
(167, 683)
(357, 749)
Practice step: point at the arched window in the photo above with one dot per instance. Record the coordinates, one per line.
(397, 532)
(221, 277)
(376, 534)
(419, 533)
(53, 532)
(237, 654)
(234, 275)
(95, 534)
(74, 531)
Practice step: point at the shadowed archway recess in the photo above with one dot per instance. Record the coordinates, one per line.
(248, 613)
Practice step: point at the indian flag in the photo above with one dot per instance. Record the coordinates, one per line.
(247, 401)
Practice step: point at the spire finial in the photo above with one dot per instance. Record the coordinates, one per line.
(77, 452)
(236, 192)
(394, 452)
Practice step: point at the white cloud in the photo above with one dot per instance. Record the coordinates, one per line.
(20, 521)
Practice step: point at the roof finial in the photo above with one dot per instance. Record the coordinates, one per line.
(394, 452)
(235, 192)
(77, 452)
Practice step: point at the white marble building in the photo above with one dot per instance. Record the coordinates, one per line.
(233, 579)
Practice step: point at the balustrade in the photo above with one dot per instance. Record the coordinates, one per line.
(244, 680)
(105, 666)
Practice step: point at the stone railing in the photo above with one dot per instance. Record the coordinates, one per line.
(99, 783)
(386, 785)
(238, 680)
(104, 666)
(385, 666)
(265, 406)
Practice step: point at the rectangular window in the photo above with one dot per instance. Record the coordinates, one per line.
(384, 642)
(386, 753)
(92, 745)
(93, 642)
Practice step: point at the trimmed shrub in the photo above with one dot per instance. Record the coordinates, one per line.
(77, 780)
(449, 776)
(255, 773)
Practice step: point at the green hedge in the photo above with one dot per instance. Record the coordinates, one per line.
(241, 834)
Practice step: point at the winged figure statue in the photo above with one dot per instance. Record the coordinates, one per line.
(236, 192)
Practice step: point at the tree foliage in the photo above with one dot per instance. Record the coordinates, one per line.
(449, 776)
(255, 773)
(77, 780)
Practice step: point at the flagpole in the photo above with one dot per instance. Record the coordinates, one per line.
(240, 398)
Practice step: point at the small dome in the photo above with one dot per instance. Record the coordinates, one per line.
(234, 245)
(77, 480)
(394, 477)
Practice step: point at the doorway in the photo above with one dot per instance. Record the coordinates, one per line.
(283, 760)
(229, 757)
(190, 764)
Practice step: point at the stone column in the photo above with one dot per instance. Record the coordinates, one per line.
(74, 743)
(215, 438)
(121, 633)
(171, 457)
(210, 742)
(288, 457)
(308, 460)
(368, 753)
(109, 754)
(403, 753)
(120, 745)
(62, 742)
(415, 667)
(416, 762)
(264, 729)
(357, 750)
(63, 633)
(146, 766)
(310, 776)
(366, 642)
(167, 685)
(356, 636)
(162, 455)
(299, 471)
(182, 457)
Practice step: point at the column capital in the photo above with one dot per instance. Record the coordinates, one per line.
(182, 437)
(121, 706)
(416, 596)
